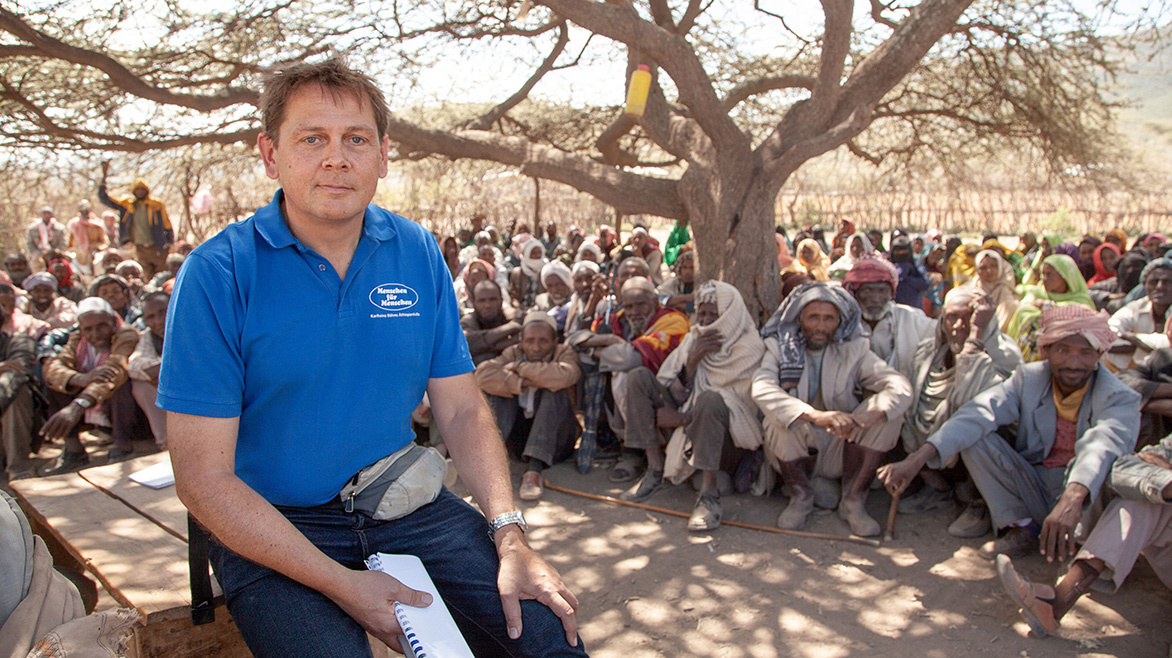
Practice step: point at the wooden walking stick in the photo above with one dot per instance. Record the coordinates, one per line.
(892, 512)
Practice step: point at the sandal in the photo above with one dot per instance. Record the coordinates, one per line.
(1034, 600)
(626, 469)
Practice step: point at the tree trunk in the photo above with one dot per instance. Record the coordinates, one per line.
(735, 240)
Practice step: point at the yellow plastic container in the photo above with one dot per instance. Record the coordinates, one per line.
(638, 90)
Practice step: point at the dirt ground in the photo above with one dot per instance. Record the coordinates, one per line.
(648, 587)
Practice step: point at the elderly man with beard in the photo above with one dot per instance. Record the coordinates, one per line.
(490, 327)
(1073, 419)
(528, 388)
(894, 329)
(966, 354)
(637, 340)
(702, 390)
(816, 421)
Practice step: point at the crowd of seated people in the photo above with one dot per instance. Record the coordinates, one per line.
(1011, 384)
(1015, 384)
(82, 332)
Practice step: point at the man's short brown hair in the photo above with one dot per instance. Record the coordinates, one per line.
(333, 75)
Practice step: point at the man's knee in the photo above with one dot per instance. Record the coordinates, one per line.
(641, 381)
(711, 405)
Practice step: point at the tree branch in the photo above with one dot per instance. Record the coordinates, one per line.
(750, 88)
(628, 192)
(486, 120)
(877, 9)
(673, 54)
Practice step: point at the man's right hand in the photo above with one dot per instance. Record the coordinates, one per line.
(708, 342)
(1154, 459)
(838, 423)
(105, 169)
(896, 477)
(104, 373)
(369, 598)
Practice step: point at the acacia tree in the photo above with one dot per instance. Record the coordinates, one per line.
(726, 124)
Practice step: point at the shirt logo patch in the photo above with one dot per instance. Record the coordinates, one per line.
(393, 297)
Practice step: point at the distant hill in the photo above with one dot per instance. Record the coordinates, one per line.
(1148, 86)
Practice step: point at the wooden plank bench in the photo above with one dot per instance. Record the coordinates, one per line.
(133, 540)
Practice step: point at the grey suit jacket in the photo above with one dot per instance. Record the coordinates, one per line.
(1108, 422)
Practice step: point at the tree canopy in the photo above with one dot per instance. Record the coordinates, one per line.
(741, 96)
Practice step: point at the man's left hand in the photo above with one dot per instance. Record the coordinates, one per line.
(1057, 539)
(524, 575)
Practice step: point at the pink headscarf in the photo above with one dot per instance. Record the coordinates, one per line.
(487, 267)
(1059, 322)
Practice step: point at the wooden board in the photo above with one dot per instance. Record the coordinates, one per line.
(141, 565)
(161, 506)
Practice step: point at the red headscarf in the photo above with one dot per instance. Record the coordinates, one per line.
(67, 280)
(870, 270)
(1101, 273)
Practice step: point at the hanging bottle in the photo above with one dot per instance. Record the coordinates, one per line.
(638, 90)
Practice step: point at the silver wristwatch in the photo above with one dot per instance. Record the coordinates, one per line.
(83, 403)
(508, 518)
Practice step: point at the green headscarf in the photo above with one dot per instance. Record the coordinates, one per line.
(1076, 293)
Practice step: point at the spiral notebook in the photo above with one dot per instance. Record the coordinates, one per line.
(427, 632)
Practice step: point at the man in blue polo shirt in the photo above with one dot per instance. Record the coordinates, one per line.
(302, 338)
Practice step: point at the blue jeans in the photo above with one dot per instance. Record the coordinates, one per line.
(280, 617)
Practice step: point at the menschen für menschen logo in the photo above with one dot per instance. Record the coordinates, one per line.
(391, 297)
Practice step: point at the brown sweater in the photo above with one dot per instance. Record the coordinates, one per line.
(559, 372)
(61, 368)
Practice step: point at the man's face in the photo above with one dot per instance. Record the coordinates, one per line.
(873, 298)
(114, 295)
(486, 301)
(639, 306)
(706, 313)
(58, 270)
(17, 269)
(154, 315)
(551, 230)
(7, 303)
(582, 281)
(819, 321)
(687, 270)
(487, 254)
(988, 270)
(1159, 286)
(589, 255)
(538, 341)
(328, 156)
(1128, 268)
(957, 324)
(557, 289)
(639, 240)
(536, 252)
(96, 328)
(875, 237)
(463, 236)
(918, 244)
(140, 193)
(1072, 360)
(42, 295)
(1052, 281)
(46, 216)
(625, 272)
(1028, 241)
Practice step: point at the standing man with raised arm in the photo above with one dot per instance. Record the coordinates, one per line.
(299, 342)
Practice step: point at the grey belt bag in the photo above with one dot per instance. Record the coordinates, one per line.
(397, 484)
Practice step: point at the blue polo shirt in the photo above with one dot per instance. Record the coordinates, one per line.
(324, 373)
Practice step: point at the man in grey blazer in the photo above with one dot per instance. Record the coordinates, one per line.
(1073, 419)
